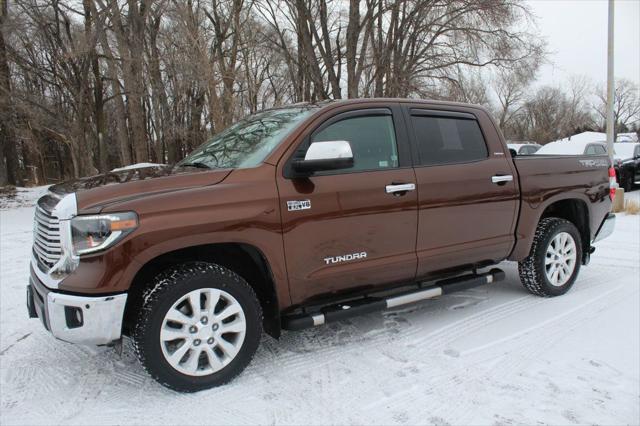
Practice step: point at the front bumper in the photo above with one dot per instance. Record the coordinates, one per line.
(76, 319)
(606, 229)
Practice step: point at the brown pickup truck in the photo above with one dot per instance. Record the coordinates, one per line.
(302, 215)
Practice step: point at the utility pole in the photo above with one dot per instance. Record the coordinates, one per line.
(610, 84)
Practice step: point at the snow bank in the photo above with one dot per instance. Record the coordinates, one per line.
(21, 197)
(623, 150)
(564, 148)
(599, 137)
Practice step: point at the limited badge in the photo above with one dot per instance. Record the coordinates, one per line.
(298, 205)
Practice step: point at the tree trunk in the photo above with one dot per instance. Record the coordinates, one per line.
(130, 45)
(98, 89)
(353, 33)
(7, 117)
(134, 85)
(120, 116)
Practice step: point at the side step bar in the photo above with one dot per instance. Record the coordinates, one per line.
(372, 304)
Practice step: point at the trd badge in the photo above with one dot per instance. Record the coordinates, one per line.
(298, 205)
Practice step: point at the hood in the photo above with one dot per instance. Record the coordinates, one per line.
(97, 192)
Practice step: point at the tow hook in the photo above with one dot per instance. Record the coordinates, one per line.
(586, 257)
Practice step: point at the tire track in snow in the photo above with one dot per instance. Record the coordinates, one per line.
(501, 369)
(514, 353)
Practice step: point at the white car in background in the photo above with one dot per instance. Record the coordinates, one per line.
(573, 148)
(523, 148)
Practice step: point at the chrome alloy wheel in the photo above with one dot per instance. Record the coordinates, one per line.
(203, 332)
(560, 261)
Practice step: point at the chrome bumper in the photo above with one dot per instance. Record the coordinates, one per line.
(77, 319)
(606, 228)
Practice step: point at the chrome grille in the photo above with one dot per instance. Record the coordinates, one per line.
(46, 239)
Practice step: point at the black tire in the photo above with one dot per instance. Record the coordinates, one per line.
(169, 287)
(533, 269)
(628, 184)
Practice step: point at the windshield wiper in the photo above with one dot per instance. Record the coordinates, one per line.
(198, 164)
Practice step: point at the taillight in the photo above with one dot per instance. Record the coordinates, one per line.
(613, 184)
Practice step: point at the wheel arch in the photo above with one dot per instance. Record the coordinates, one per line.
(575, 211)
(245, 259)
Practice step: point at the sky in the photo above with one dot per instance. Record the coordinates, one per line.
(576, 33)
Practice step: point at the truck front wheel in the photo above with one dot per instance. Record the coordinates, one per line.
(554, 261)
(198, 327)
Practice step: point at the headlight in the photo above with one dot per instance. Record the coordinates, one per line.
(90, 234)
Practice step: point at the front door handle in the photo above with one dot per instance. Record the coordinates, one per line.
(501, 179)
(400, 188)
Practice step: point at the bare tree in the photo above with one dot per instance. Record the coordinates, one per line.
(626, 105)
(89, 85)
(552, 114)
(511, 87)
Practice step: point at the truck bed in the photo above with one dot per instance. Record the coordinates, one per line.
(546, 179)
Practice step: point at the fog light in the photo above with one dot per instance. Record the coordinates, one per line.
(73, 317)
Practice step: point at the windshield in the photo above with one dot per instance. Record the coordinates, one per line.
(248, 142)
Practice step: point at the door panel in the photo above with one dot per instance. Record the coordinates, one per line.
(464, 218)
(467, 190)
(351, 234)
(349, 214)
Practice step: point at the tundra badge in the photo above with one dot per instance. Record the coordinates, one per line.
(345, 258)
(298, 205)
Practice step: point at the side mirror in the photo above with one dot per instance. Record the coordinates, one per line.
(321, 156)
(513, 152)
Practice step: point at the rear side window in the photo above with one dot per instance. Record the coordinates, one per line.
(372, 139)
(445, 140)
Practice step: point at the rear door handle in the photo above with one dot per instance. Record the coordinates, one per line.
(501, 179)
(400, 188)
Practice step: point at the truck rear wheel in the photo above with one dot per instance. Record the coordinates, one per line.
(198, 327)
(554, 261)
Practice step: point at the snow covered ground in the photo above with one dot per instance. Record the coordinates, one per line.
(492, 355)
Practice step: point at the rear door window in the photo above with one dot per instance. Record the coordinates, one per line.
(448, 139)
